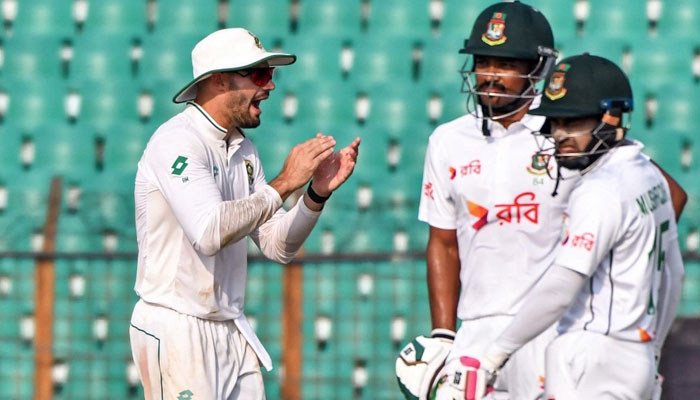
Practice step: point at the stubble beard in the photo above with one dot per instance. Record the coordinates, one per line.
(239, 107)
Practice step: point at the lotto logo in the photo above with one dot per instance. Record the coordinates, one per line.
(179, 165)
(185, 395)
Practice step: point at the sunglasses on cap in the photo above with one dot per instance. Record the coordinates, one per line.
(259, 76)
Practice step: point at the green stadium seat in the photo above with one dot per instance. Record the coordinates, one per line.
(399, 18)
(163, 93)
(65, 149)
(458, 16)
(17, 375)
(385, 60)
(124, 145)
(27, 205)
(689, 300)
(395, 110)
(33, 103)
(330, 17)
(114, 103)
(361, 318)
(658, 64)
(102, 58)
(263, 17)
(317, 60)
(679, 21)
(560, 16)
(442, 61)
(327, 106)
(454, 102)
(617, 20)
(74, 235)
(11, 135)
(31, 58)
(117, 17)
(107, 204)
(594, 46)
(47, 18)
(677, 111)
(183, 16)
(167, 57)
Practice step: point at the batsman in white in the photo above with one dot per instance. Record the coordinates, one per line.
(608, 282)
(495, 217)
(200, 191)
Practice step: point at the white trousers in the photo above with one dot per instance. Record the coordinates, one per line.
(181, 357)
(523, 376)
(589, 365)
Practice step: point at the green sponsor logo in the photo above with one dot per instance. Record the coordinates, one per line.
(185, 395)
(179, 165)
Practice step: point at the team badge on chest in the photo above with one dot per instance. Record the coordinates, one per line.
(539, 164)
(495, 30)
(249, 171)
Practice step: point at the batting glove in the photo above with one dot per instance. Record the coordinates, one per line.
(420, 361)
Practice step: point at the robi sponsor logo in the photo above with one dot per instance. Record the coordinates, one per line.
(585, 241)
(473, 168)
(428, 190)
(479, 212)
(523, 209)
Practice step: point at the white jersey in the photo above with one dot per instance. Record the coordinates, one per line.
(186, 170)
(496, 193)
(622, 234)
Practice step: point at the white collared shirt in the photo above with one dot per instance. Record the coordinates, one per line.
(187, 170)
(498, 197)
(621, 232)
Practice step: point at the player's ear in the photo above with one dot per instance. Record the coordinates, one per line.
(219, 82)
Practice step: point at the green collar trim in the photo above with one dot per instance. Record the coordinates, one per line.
(211, 121)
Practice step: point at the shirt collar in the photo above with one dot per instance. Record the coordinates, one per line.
(207, 125)
(532, 123)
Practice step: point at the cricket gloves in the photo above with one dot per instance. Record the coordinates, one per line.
(468, 378)
(420, 362)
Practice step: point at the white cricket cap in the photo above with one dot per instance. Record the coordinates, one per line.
(227, 50)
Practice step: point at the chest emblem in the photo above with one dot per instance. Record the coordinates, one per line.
(216, 171)
(249, 171)
(539, 164)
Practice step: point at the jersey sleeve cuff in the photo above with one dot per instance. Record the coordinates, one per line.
(306, 210)
(440, 223)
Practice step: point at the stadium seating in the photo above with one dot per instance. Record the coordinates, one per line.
(82, 108)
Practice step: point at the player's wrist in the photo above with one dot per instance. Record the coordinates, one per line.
(283, 186)
(443, 333)
(494, 358)
(316, 195)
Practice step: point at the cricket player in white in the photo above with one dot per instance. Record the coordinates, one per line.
(495, 220)
(620, 240)
(200, 191)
